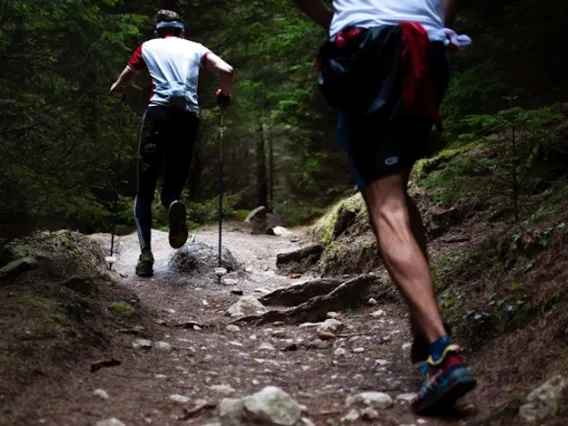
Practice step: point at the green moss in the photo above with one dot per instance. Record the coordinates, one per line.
(123, 309)
(239, 214)
(44, 319)
(325, 228)
(426, 165)
(454, 181)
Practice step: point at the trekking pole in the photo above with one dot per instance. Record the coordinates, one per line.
(111, 259)
(220, 269)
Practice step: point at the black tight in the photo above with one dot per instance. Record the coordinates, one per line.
(167, 138)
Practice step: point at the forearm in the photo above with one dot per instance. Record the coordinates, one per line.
(125, 79)
(215, 64)
(317, 12)
(226, 80)
(450, 11)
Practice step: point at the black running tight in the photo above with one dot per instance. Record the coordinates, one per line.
(167, 138)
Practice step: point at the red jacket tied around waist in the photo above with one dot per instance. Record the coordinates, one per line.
(418, 88)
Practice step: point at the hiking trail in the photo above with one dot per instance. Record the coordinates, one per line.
(179, 374)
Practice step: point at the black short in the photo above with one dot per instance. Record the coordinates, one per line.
(366, 88)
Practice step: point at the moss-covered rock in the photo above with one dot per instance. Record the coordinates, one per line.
(17, 267)
(350, 246)
(123, 309)
(342, 216)
(68, 253)
(80, 284)
(356, 256)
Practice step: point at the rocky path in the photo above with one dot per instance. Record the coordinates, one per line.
(184, 375)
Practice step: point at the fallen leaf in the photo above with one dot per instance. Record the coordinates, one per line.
(326, 335)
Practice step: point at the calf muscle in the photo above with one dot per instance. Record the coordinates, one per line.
(405, 257)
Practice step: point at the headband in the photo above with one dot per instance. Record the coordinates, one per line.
(170, 24)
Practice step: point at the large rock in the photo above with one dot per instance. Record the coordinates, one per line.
(270, 407)
(301, 260)
(201, 259)
(17, 267)
(111, 422)
(544, 400)
(330, 326)
(231, 411)
(263, 222)
(273, 406)
(257, 220)
(375, 400)
(256, 215)
(279, 231)
(9, 254)
(246, 305)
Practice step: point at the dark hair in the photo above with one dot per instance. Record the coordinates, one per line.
(165, 15)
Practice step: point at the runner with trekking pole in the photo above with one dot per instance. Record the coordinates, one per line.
(170, 123)
(385, 68)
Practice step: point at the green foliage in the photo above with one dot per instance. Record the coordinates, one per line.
(522, 139)
(61, 137)
(453, 181)
(58, 133)
(502, 156)
(207, 211)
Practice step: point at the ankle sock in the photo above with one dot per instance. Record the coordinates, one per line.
(438, 347)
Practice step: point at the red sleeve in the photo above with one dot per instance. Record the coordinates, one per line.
(204, 57)
(136, 62)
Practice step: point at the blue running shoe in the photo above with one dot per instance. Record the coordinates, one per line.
(447, 380)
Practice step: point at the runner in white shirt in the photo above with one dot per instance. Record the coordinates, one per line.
(170, 123)
(385, 69)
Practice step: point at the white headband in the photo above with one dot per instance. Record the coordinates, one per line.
(170, 24)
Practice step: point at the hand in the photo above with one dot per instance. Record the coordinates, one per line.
(117, 90)
(222, 99)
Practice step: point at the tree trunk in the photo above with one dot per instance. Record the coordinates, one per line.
(261, 178)
(270, 175)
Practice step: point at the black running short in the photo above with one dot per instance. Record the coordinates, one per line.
(363, 82)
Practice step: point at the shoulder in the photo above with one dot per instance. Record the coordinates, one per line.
(199, 47)
(151, 43)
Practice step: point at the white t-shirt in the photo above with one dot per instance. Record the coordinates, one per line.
(170, 59)
(370, 13)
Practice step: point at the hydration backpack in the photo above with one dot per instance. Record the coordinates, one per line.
(174, 95)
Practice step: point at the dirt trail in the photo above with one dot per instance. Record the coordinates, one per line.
(215, 362)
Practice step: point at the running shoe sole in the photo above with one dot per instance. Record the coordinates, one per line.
(178, 227)
(459, 382)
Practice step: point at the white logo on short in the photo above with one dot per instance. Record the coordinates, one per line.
(391, 161)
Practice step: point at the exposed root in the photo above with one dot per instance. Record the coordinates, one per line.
(299, 293)
(300, 260)
(346, 295)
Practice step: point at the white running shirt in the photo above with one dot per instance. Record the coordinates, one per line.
(370, 13)
(168, 60)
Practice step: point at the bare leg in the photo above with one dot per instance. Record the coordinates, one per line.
(417, 228)
(389, 213)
